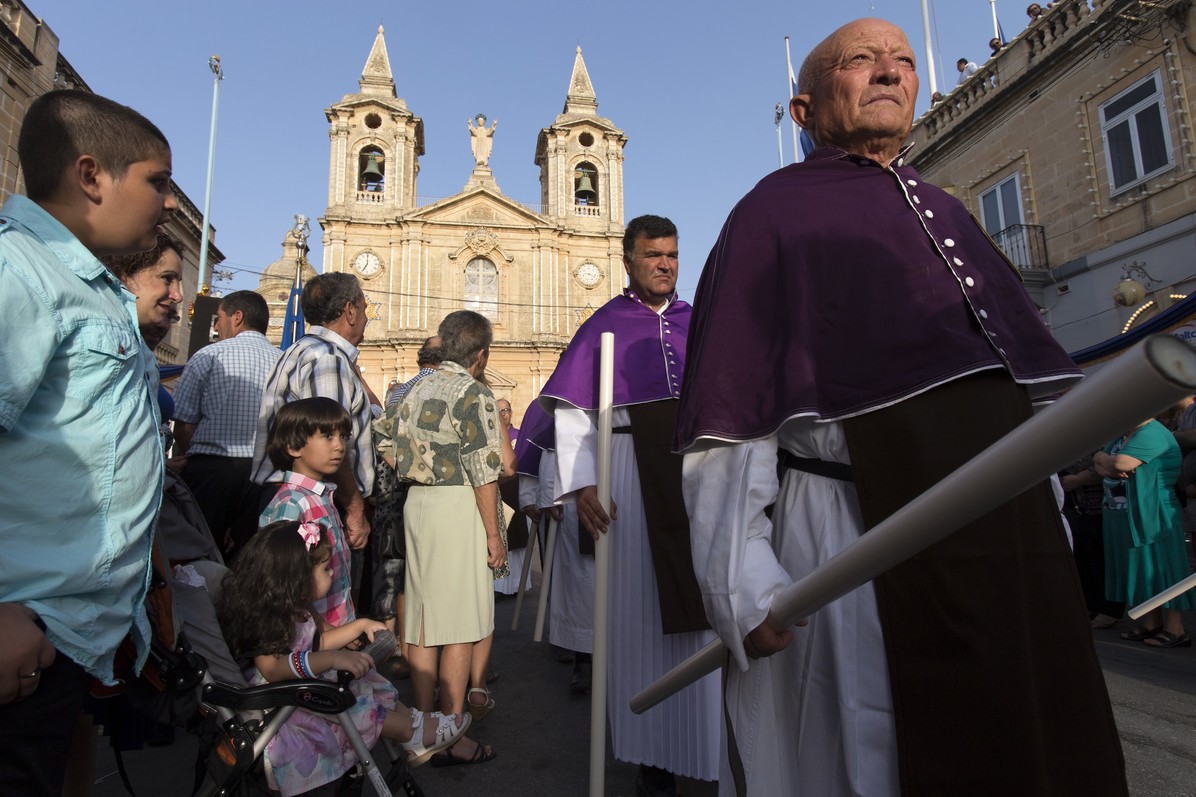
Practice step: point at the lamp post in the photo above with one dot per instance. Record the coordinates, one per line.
(214, 65)
(779, 115)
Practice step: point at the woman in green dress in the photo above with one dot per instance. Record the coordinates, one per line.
(1144, 530)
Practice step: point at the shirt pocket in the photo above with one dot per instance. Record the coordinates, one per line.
(103, 357)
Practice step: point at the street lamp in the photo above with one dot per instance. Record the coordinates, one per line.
(214, 65)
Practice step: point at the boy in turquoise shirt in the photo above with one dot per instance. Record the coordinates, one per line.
(78, 421)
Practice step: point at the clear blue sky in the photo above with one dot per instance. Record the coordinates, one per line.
(692, 84)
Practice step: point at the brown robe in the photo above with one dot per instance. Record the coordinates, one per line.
(652, 425)
(995, 681)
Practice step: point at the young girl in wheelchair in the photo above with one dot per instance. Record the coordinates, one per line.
(266, 613)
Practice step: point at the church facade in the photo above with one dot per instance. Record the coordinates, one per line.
(535, 272)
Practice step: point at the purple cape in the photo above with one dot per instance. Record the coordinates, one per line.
(537, 436)
(837, 287)
(649, 355)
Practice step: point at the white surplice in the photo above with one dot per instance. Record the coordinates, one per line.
(571, 587)
(815, 719)
(682, 733)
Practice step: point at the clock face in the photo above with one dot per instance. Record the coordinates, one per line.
(589, 275)
(367, 264)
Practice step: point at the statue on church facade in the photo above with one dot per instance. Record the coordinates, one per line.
(481, 139)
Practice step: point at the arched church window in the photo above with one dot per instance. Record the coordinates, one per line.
(481, 287)
(371, 170)
(585, 185)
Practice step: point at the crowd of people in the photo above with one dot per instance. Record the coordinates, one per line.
(931, 679)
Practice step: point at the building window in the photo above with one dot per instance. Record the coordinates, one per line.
(1001, 215)
(481, 288)
(1001, 205)
(1134, 130)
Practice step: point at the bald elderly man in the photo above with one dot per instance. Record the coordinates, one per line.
(887, 342)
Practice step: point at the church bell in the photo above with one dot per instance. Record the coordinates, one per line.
(584, 185)
(371, 173)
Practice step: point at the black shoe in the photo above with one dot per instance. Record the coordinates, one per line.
(579, 682)
(655, 782)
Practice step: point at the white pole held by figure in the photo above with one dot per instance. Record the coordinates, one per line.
(1171, 593)
(545, 579)
(1140, 383)
(606, 393)
(523, 575)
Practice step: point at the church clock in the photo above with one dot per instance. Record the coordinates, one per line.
(588, 275)
(367, 264)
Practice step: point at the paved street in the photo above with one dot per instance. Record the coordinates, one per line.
(541, 732)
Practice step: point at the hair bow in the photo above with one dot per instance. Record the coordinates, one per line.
(310, 532)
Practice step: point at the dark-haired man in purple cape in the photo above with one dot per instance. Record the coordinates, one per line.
(656, 615)
(857, 321)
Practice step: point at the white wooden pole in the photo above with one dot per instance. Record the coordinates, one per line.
(524, 574)
(545, 579)
(606, 381)
(1171, 593)
(1143, 381)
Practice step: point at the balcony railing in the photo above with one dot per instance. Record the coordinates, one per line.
(587, 210)
(1025, 245)
(371, 197)
(1053, 30)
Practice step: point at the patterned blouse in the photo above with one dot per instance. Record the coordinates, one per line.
(446, 431)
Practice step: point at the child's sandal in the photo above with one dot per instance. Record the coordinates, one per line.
(447, 734)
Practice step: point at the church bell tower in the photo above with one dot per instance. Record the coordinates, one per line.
(581, 161)
(376, 143)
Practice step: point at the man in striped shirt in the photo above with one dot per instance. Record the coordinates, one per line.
(216, 408)
(323, 363)
(428, 360)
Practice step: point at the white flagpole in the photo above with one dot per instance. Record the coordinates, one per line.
(789, 92)
(606, 381)
(1152, 375)
(524, 573)
(545, 580)
(929, 50)
(996, 25)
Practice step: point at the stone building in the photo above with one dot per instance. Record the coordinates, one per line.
(536, 272)
(32, 65)
(1074, 148)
